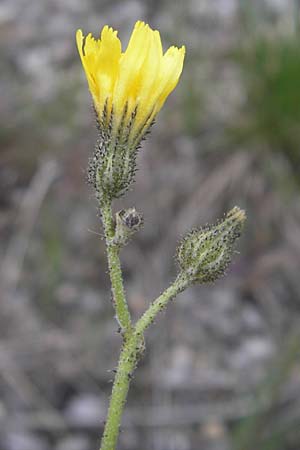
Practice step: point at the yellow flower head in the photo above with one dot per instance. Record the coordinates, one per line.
(129, 87)
(128, 90)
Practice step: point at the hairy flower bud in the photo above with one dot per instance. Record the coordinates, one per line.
(128, 222)
(204, 254)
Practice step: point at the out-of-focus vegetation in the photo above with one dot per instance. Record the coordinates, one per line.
(270, 68)
(266, 428)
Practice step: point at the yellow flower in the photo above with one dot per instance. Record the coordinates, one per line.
(129, 88)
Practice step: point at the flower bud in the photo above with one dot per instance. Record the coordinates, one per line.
(128, 222)
(204, 254)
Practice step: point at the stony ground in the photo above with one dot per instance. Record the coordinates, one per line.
(221, 370)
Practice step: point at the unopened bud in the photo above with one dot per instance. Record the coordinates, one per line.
(128, 222)
(204, 254)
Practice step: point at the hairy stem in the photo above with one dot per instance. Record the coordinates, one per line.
(127, 363)
(133, 336)
(129, 357)
(159, 304)
(122, 312)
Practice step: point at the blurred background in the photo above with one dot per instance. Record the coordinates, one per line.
(222, 367)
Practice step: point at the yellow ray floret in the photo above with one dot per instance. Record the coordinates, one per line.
(130, 84)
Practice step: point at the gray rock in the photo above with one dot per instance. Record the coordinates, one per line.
(24, 441)
(85, 411)
(91, 301)
(252, 352)
(181, 362)
(251, 319)
(74, 443)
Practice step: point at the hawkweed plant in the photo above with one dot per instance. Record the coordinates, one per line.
(128, 89)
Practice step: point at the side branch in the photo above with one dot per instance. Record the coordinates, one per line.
(129, 358)
(160, 303)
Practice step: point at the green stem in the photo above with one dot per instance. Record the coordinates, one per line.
(159, 304)
(129, 357)
(133, 337)
(127, 363)
(122, 312)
